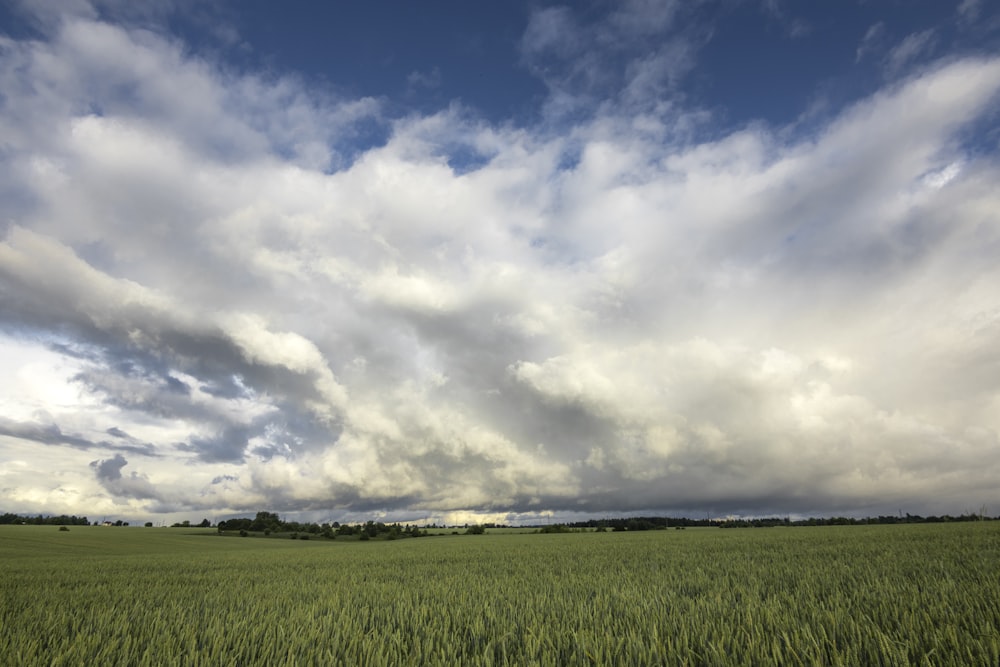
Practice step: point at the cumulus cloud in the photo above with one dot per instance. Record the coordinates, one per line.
(510, 321)
(133, 485)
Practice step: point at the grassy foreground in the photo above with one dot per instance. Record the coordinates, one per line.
(858, 595)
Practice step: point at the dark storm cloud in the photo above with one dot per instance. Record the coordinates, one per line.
(47, 434)
(229, 445)
(109, 474)
(52, 434)
(109, 470)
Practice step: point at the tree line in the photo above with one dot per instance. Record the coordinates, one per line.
(40, 520)
(661, 522)
(270, 522)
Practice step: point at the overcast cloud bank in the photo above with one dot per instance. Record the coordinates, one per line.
(211, 304)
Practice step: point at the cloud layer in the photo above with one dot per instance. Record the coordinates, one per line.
(212, 303)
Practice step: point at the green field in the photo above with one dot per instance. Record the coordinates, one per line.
(853, 595)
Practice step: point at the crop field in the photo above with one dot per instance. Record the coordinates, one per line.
(853, 595)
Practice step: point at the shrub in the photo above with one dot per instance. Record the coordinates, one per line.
(554, 528)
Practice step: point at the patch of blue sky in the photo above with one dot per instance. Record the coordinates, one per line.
(418, 56)
(802, 63)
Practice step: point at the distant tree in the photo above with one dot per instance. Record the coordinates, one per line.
(235, 524)
(149, 524)
(205, 523)
(265, 521)
(555, 528)
(475, 529)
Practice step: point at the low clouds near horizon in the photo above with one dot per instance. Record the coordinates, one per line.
(213, 302)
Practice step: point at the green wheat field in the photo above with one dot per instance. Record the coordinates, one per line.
(925, 594)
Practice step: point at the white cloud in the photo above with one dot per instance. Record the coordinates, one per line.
(286, 349)
(582, 321)
(41, 381)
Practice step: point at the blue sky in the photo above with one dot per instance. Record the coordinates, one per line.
(499, 261)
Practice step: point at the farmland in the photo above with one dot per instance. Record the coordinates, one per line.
(893, 595)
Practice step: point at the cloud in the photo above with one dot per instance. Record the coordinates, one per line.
(913, 47)
(969, 10)
(52, 434)
(49, 434)
(429, 79)
(634, 57)
(795, 28)
(226, 446)
(610, 314)
(145, 80)
(870, 42)
(109, 474)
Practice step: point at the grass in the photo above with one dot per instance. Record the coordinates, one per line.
(890, 595)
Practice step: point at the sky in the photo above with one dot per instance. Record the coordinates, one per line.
(499, 261)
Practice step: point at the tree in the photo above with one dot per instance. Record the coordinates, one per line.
(266, 521)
